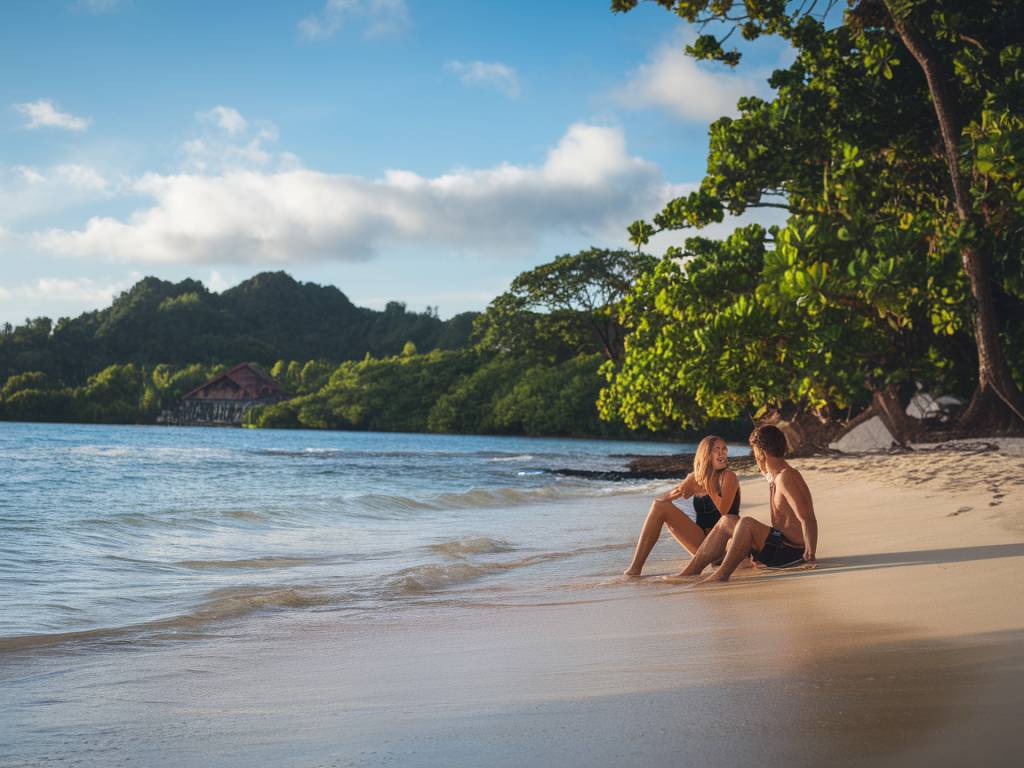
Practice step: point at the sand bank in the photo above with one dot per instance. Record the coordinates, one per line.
(904, 647)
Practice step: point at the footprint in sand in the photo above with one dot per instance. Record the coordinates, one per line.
(960, 511)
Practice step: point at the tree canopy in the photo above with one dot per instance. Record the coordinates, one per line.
(884, 271)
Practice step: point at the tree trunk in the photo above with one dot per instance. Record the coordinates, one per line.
(997, 404)
(887, 403)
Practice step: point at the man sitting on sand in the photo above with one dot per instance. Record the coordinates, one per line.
(793, 535)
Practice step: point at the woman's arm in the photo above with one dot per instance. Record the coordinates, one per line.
(687, 487)
(730, 485)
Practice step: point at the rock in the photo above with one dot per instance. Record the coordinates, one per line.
(865, 436)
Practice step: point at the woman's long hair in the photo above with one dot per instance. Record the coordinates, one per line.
(704, 466)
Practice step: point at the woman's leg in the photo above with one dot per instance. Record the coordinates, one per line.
(682, 528)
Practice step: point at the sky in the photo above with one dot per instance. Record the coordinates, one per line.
(423, 151)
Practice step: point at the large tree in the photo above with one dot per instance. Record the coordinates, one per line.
(564, 307)
(931, 93)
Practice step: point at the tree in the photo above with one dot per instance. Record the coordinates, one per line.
(564, 307)
(959, 62)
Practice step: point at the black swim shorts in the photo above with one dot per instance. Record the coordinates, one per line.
(776, 553)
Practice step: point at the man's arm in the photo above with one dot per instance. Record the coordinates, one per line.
(796, 492)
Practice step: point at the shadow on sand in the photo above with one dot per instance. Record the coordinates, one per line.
(921, 557)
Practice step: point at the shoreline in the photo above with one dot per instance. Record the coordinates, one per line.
(905, 646)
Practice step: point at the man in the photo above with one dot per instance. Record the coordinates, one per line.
(793, 535)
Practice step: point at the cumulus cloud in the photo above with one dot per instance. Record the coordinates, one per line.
(28, 174)
(379, 18)
(218, 283)
(81, 177)
(588, 184)
(44, 113)
(672, 81)
(27, 191)
(231, 142)
(228, 119)
(491, 74)
(79, 290)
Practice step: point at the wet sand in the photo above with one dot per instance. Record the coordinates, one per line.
(905, 646)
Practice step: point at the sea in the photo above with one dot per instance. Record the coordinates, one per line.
(130, 534)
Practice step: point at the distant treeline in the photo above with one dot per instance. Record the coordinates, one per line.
(443, 391)
(529, 365)
(264, 319)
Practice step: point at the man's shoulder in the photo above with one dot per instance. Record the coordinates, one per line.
(790, 477)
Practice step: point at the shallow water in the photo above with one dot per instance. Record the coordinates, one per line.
(110, 532)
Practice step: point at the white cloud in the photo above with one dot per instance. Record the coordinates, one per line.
(29, 174)
(79, 290)
(235, 143)
(44, 113)
(588, 185)
(673, 81)
(27, 191)
(492, 74)
(229, 119)
(380, 18)
(81, 177)
(218, 283)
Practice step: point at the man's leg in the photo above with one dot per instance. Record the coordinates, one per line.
(664, 513)
(713, 547)
(748, 535)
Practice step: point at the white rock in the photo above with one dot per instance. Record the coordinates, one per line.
(871, 435)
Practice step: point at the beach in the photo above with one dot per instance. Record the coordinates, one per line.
(904, 646)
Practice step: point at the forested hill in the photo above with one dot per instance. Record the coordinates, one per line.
(269, 317)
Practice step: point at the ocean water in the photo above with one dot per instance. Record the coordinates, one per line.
(111, 534)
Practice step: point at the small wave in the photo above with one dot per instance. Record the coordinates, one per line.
(384, 502)
(481, 545)
(433, 577)
(521, 457)
(150, 452)
(428, 578)
(304, 453)
(222, 604)
(249, 563)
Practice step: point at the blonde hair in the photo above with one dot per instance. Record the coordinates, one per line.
(703, 465)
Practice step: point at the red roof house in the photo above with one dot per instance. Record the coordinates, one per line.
(245, 382)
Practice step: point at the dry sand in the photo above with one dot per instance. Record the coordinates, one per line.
(905, 646)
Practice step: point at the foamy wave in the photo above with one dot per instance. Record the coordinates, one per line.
(427, 578)
(221, 605)
(142, 452)
(522, 457)
(437, 576)
(480, 545)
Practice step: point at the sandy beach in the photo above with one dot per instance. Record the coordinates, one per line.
(905, 646)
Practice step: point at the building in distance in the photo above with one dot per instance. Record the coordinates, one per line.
(224, 399)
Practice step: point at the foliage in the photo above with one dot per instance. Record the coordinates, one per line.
(865, 284)
(264, 319)
(564, 307)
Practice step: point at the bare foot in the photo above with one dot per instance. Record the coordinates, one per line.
(713, 578)
(631, 572)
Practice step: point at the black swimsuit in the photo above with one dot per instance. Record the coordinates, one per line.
(707, 513)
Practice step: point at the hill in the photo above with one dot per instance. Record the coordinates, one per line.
(269, 317)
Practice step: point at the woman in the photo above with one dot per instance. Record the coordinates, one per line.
(713, 487)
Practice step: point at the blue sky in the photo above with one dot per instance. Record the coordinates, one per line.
(425, 151)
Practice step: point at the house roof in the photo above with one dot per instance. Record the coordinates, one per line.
(250, 378)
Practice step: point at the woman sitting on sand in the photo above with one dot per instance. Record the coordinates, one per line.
(713, 487)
